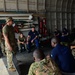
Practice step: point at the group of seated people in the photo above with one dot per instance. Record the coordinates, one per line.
(25, 43)
(63, 35)
(59, 61)
(33, 38)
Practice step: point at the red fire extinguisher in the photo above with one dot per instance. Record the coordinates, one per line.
(41, 24)
(41, 27)
(44, 26)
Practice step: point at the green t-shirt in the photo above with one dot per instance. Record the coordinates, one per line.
(21, 39)
(9, 32)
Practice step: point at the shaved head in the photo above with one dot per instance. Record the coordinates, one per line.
(54, 41)
(38, 54)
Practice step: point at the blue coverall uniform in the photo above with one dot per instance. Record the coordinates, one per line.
(32, 36)
(64, 59)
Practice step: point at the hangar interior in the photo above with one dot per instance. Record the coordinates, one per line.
(46, 16)
(58, 13)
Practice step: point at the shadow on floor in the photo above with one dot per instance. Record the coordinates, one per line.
(27, 60)
(24, 68)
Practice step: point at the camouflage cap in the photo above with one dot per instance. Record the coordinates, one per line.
(9, 19)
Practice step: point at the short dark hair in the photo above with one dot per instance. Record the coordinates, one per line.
(39, 54)
(33, 26)
(20, 33)
(9, 19)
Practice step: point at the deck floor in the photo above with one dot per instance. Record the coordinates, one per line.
(25, 60)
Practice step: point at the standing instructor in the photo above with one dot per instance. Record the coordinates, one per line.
(10, 42)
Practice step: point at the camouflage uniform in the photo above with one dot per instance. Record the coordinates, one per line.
(2, 44)
(44, 67)
(9, 31)
(0, 37)
(3, 47)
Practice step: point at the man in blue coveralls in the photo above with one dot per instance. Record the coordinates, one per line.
(32, 38)
(62, 56)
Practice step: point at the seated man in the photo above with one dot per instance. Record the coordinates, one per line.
(42, 65)
(32, 38)
(21, 42)
(65, 37)
(72, 45)
(57, 33)
(62, 56)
